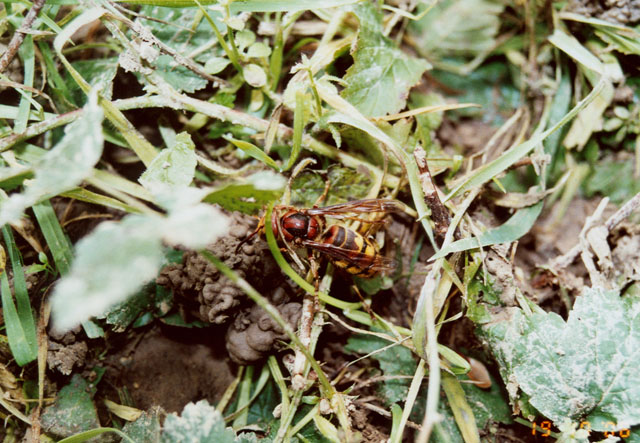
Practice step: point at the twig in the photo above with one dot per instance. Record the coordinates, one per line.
(385, 413)
(439, 213)
(145, 35)
(18, 36)
(565, 260)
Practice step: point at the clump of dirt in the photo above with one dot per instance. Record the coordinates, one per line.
(624, 12)
(162, 368)
(252, 334)
(65, 351)
(217, 298)
(64, 358)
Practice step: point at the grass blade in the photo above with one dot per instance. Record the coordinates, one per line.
(461, 410)
(486, 172)
(18, 317)
(59, 244)
(298, 125)
(518, 225)
(253, 151)
(28, 59)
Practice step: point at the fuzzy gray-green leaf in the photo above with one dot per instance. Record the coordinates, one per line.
(581, 369)
(382, 75)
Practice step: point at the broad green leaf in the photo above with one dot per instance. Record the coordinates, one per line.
(118, 258)
(145, 429)
(185, 31)
(382, 75)
(200, 423)
(254, 75)
(174, 166)
(394, 361)
(98, 72)
(583, 369)
(182, 29)
(457, 27)
(150, 296)
(179, 77)
(612, 179)
(491, 86)
(216, 64)
(73, 411)
(62, 168)
(344, 184)
(260, 412)
(511, 230)
(251, 195)
(489, 405)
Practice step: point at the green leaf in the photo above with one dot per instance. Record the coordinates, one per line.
(27, 54)
(73, 410)
(344, 184)
(98, 72)
(489, 170)
(179, 77)
(583, 369)
(173, 166)
(260, 411)
(489, 405)
(182, 29)
(382, 75)
(613, 179)
(253, 151)
(511, 230)
(462, 412)
(396, 360)
(18, 318)
(62, 168)
(216, 64)
(200, 423)
(88, 435)
(457, 27)
(576, 50)
(145, 429)
(249, 196)
(118, 258)
(490, 86)
(254, 75)
(124, 314)
(58, 243)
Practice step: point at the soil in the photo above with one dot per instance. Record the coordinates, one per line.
(171, 367)
(624, 12)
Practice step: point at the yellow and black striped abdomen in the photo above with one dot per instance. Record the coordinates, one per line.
(357, 253)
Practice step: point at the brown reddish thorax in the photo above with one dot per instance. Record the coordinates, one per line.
(296, 226)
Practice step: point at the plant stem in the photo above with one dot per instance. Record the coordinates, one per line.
(19, 34)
